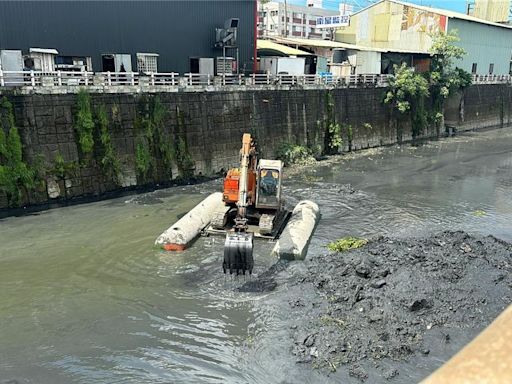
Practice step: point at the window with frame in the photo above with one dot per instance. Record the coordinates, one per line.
(491, 68)
(473, 69)
(147, 63)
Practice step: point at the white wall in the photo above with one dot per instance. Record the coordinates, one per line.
(367, 62)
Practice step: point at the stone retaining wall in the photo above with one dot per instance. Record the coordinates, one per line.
(211, 125)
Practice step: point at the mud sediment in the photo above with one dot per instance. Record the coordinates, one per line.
(385, 301)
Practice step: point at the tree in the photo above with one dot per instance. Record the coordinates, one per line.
(406, 92)
(444, 79)
(405, 86)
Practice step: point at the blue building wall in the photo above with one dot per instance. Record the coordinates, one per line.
(484, 44)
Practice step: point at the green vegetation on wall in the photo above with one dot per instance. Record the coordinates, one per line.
(155, 150)
(184, 160)
(93, 139)
(148, 126)
(108, 159)
(143, 160)
(64, 169)
(84, 124)
(17, 178)
(333, 138)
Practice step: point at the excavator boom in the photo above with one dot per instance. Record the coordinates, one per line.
(238, 246)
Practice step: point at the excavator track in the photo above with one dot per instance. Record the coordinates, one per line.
(266, 224)
(220, 218)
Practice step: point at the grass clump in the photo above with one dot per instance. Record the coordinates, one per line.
(142, 160)
(64, 169)
(346, 243)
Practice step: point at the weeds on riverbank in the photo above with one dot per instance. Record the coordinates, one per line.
(294, 154)
(346, 243)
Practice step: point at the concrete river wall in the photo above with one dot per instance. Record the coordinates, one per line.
(151, 139)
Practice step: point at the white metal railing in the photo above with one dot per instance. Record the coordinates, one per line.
(261, 79)
(491, 79)
(118, 78)
(231, 79)
(195, 79)
(64, 78)
(170, 79)
(74, 78)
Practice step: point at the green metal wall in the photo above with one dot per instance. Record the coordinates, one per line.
(484, 44)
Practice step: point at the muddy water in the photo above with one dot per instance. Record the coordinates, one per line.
(84, 298)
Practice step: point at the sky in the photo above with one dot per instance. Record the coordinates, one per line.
(453, 5)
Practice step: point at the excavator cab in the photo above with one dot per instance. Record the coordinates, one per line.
(268, 193)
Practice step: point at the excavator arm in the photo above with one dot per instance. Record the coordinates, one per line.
(238, 246)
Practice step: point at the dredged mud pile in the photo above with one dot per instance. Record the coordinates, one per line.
(380, 302)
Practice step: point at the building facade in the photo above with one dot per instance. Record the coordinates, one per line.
(492, 10)
(392, 24)
(299, 22)
(178, 31)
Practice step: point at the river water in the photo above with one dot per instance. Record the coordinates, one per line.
(85, 298)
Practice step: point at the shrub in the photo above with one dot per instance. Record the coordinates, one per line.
(294, 154)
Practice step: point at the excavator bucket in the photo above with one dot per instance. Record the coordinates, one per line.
(238, 253)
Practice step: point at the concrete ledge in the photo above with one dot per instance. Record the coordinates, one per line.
(294, 241)
(146, 88)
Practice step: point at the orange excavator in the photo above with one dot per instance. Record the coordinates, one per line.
(252, 207)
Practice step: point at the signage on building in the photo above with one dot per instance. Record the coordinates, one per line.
(332, 21)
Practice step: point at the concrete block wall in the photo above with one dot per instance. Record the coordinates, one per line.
(213, 124)
(480, 106)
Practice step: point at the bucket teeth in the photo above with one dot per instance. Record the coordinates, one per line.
(238, 253)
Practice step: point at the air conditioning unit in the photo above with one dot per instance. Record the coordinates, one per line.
(226, 65)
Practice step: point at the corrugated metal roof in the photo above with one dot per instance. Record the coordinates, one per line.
(267, 44)
(445, 12)
(452, 14)
(336, 44)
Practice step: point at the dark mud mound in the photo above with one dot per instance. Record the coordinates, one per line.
(380, 302)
